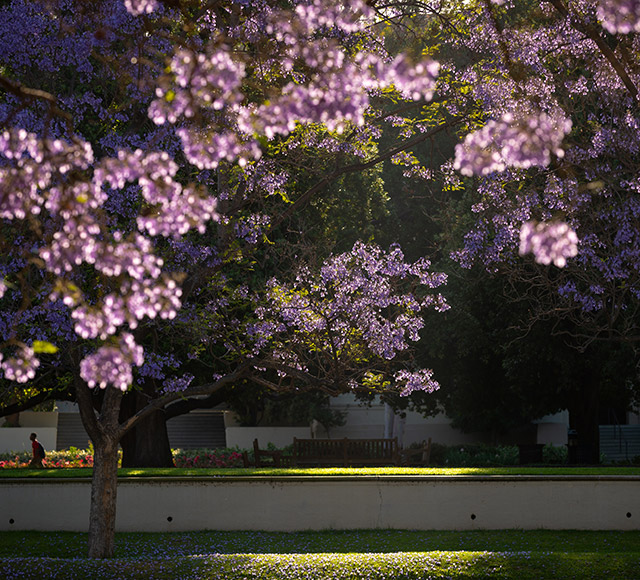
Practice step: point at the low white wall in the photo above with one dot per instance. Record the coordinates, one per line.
(38, 419)
(280, 436)
(298, 503)
(15, 439)
(368, 421)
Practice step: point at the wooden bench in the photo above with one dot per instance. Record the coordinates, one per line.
(274, 458)
(345, 452)
(416, 456)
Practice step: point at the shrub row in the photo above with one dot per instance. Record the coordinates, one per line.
(441, 455)
(478, 455)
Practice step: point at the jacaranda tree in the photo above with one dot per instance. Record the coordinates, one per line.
(543, 99)
(140, 142)
(563, 73)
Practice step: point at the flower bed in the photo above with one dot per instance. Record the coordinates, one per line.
(207, 457)
(74, 457)
(71, 457)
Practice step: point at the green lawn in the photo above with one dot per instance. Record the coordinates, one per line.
(336, 555)
(342, 471)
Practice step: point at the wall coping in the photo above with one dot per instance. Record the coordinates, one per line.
(327, 478)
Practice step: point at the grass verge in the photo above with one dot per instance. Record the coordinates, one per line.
(332, 471)
(383, 554)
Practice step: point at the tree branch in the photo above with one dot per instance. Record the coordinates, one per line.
(31, 402)
(594, 34)
(354, 168)
(184, 406)
(30, 94)
(161, 402)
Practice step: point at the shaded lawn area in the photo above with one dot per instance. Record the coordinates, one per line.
(375, 554)
(331, 471)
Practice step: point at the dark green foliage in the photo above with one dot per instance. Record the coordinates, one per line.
(473, 455)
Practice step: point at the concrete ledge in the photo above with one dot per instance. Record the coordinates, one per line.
(332, 502)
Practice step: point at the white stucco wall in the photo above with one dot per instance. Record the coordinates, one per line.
(368, 422)
(280, 436)
(296, 503)
(17, 438)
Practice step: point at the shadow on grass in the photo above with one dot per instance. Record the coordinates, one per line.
(188, 544)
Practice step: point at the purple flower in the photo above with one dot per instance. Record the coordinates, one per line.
(520, 142)
(22, 366)
(619, 16)
(111, 365)
(548, 242)
(416, 381)
(137, 7)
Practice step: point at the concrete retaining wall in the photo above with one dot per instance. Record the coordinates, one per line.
(298, 503)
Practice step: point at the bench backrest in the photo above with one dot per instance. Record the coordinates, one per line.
(345, 451)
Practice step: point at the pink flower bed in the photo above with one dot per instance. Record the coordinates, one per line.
(84, 458)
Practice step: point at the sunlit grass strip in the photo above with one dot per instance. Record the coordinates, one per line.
(387, 566)
(325, 471)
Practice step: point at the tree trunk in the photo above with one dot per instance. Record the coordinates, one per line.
(583, 420)
(104, 486)
(104, 430)
(389, 420)
(13, 420)
(147, 444)
(398, 428)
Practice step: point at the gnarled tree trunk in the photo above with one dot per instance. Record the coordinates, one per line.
(146, 444)
(105, 433)
(583, 420)
(104, 487)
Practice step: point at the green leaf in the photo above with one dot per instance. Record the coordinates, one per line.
(41, 346)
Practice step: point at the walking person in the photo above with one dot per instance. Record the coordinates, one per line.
(37, 451)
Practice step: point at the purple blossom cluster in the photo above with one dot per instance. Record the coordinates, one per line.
(316, 15)
(111, 364)
(177, 384)
(520, 142)
(202, 81)
(619, 16)
(421, 380)
(31, 27)
(548, 242)
(133, 302)
(592, 186)
(588, 300)
(34, 165)
(82, 238)
(22, 366)
(335, 91)
(138, 7)
(363, 304)
(251, 228)
(157, 366)
(176, 208)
